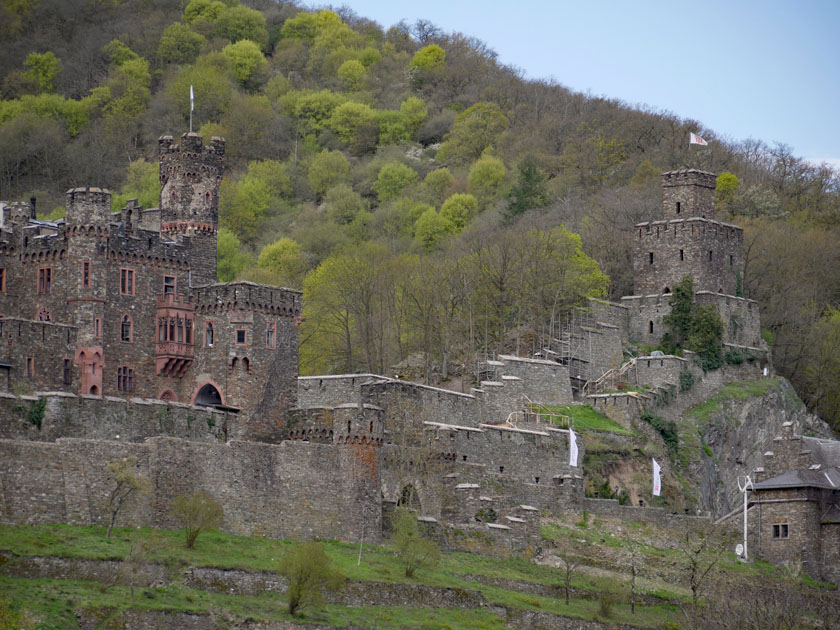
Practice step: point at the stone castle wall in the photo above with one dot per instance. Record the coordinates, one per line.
(293, 489)
(333, 390)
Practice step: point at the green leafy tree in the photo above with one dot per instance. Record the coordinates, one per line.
(431, 228)
(343, 204)
(240, 22)
(327, 169)
(530, 190)
(350, 119)
(197, 513)
(231, 259)
(392, 180)
(392, 128)
(475, 129)
(437, 182)
(312, 110)
(246, 61)
(43, 68)
(179, 44)
(726, 190)
(414, 551)
(244, 205)
(212, 87)
(413, 112)
(142, 182)
(352, 73)
(286, 260)
(397, 218)
(428, 58)
(308, 572)
(459, 210)
(822, 372)
(487, 179)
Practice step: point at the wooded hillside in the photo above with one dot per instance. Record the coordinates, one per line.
(428, 200)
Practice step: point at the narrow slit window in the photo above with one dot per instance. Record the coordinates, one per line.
(650, 257)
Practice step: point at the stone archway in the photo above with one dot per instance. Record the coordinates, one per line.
(208, 395)
(168, 395)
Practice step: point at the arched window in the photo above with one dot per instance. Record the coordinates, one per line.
(44, 315)
(172, 196)
(208, 335)
(208, 198)
(246, 365)
(125, 329)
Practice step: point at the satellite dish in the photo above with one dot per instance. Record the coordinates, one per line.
(739, 549)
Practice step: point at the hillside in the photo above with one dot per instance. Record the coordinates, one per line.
(86, 581)
(378, 160)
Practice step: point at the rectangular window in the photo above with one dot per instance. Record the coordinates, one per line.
(678, 207)
(67, 372)
(780, 530)
(97, 327)
(45, 280)
(710, 255)
(127, 281)
(30, 366)
(2, 279)
(682, 255)
(650, 255)
(125, 379)
(241, 337)
(85, 274)
(169, 285)
(731, 260)
(270, 335)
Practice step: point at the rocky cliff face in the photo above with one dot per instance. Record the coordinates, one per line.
(727, 435)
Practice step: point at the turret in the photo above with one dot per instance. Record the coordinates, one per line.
(88, 207)
(190, 174)
(688, 193)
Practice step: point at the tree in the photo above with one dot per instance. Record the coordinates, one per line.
(570, 561)
(459, 210)
(351, 118)
(487, 178)
(231, 259)
(285, 259)
(328, 169)
(529, 191)
(413, 550)
(197, 513)
(343, 204)
(392, 180)
(128, 483)
(308, 571)
(413, 113)
(246, 61)
(43, 68)
(822, 371)
(142, 182)
(352, 72)
(430, 228)
(436, 183)
(428, 57)
(179, 44)
(692, 327)
(726, 190)
(475, 129)
(702, 549)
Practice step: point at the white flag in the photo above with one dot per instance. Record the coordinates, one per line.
(192, 100)
(695, 139)
(573, 449)
(657, 480)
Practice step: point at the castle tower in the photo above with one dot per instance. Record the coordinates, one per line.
(87, 229)
(190, 174)
(688, 242)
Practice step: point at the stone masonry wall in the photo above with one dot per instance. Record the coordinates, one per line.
(741, 318)
(47, 347)
(106, 418)
(544, 382)
(291, 489)
(333, 390)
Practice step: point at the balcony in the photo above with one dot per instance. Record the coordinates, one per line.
(174, 350)
(173, 358)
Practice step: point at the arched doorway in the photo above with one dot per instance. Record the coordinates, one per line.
(208, 396)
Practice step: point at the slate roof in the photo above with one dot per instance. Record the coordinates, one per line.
(828, 478)
(824, 452)
(832, 515)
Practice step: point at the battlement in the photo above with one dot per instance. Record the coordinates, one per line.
(88, 206)
(190, 151)
(694, 227)
(688, 193)
(247, 296)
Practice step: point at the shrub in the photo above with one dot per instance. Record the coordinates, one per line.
(666, 428)
(414, 551)
(308, 571)
(686, 380)
(197, 513)
(606, 600)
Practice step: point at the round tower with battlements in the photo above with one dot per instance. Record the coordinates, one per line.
(190, 175)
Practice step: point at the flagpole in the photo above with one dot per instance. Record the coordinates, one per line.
(192, 106)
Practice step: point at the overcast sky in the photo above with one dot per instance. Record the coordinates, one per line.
(764, 69)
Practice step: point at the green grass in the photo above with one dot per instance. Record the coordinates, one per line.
(738, 390)
(585, 417)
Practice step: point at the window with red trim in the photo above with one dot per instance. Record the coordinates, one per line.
(241, 338)
(271, 335)
(97, 327)
(2, 279)
(169, 285)
(30, 366)
(127, 281)
(45, 280)
(125, 379)
(44, 315)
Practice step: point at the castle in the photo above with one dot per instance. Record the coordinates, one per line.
(127, 304)
(116, 323)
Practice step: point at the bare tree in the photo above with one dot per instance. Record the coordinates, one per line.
(128, 483)
(570, 561)
(702, 549)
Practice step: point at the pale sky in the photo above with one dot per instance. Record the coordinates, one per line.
(765, 69)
